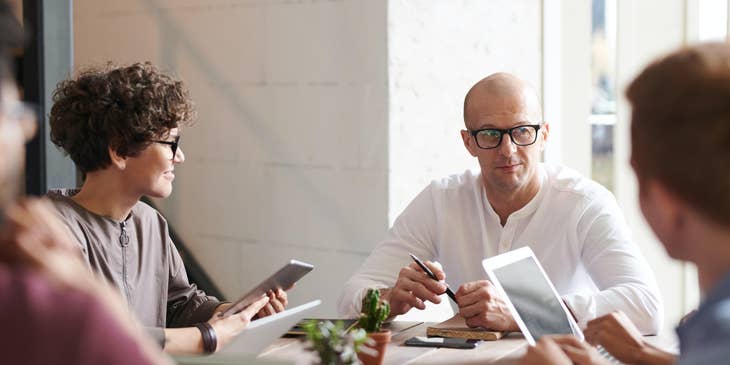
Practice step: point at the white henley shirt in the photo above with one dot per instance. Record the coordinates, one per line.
(573, 225)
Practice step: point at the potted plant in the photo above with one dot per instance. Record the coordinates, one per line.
(333, 343)
(374, 312)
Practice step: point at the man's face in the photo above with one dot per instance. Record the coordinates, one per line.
(16, 127)
(508, 167)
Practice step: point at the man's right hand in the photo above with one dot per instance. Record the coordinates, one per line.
(226, 328)
(413, 287)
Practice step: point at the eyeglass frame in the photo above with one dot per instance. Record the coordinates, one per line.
(502, 132)
(173, 145)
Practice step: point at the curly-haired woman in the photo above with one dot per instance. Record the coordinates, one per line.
(120, 126)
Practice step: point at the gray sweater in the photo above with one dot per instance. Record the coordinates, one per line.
(138, 257)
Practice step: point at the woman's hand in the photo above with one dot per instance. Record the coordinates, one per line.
(226, 328)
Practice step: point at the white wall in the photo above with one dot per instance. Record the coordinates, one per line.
(289, 155)
(436, 51)
(566, 93)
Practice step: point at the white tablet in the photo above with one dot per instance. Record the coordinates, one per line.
(262, 332)
(531, 297)
(282, 279)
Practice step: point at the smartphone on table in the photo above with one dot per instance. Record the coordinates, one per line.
(452, 343)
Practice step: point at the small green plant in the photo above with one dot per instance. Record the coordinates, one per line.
(333, 343)
(374, 312)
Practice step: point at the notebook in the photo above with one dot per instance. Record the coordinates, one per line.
(456, 327)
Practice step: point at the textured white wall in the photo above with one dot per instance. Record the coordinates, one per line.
(288, 158)
(436, 51)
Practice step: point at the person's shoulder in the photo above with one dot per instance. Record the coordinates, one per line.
(61, 200)
(143, 210)
(715, 352)
(147, 213)
(566, 180)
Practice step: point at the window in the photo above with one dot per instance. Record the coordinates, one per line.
(603, 81)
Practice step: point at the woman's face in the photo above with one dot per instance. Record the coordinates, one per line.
(150, 173)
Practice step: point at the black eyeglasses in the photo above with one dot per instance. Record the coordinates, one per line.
(173, 145)
(521, 135)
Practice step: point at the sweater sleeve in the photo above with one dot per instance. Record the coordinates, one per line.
(186, 304)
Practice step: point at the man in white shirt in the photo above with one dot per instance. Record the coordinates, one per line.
(573, 225)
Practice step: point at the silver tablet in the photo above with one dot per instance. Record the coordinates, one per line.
(531, 297)
(282, 279)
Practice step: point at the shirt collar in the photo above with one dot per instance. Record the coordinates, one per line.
(531, 206)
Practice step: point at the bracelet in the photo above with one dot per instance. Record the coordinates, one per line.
(210, 340)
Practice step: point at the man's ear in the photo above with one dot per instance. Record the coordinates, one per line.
(545, 130)
(671, 203)
(117, 160)
(668, 205)
(468, 142)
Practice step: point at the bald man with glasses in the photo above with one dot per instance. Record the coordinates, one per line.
(573, 225)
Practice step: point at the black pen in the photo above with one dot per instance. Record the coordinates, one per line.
(432, 276)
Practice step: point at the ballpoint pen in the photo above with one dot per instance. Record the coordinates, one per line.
(432, 276)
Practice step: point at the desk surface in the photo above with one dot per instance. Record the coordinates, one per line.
(504, 351)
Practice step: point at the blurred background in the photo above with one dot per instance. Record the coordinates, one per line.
(319, 120)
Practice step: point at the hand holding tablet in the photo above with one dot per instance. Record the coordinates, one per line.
(282, 279)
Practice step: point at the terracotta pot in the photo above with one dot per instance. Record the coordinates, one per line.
(381, 340)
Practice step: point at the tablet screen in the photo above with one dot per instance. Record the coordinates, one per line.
(533, 298)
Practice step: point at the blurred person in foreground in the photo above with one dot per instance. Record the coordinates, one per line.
(680, 138)
(53, 310)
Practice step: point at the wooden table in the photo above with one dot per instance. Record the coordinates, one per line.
(504, 351)
(507, 350)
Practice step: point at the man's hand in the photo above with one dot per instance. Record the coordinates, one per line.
(413, 287)
(618, 335)
(227, 328)
(481, 306)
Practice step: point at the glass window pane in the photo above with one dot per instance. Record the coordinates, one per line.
(603, 105)
(712, 20)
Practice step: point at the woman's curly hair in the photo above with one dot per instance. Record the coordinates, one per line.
(122, 108)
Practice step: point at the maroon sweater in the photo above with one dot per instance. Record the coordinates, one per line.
(42, 324)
